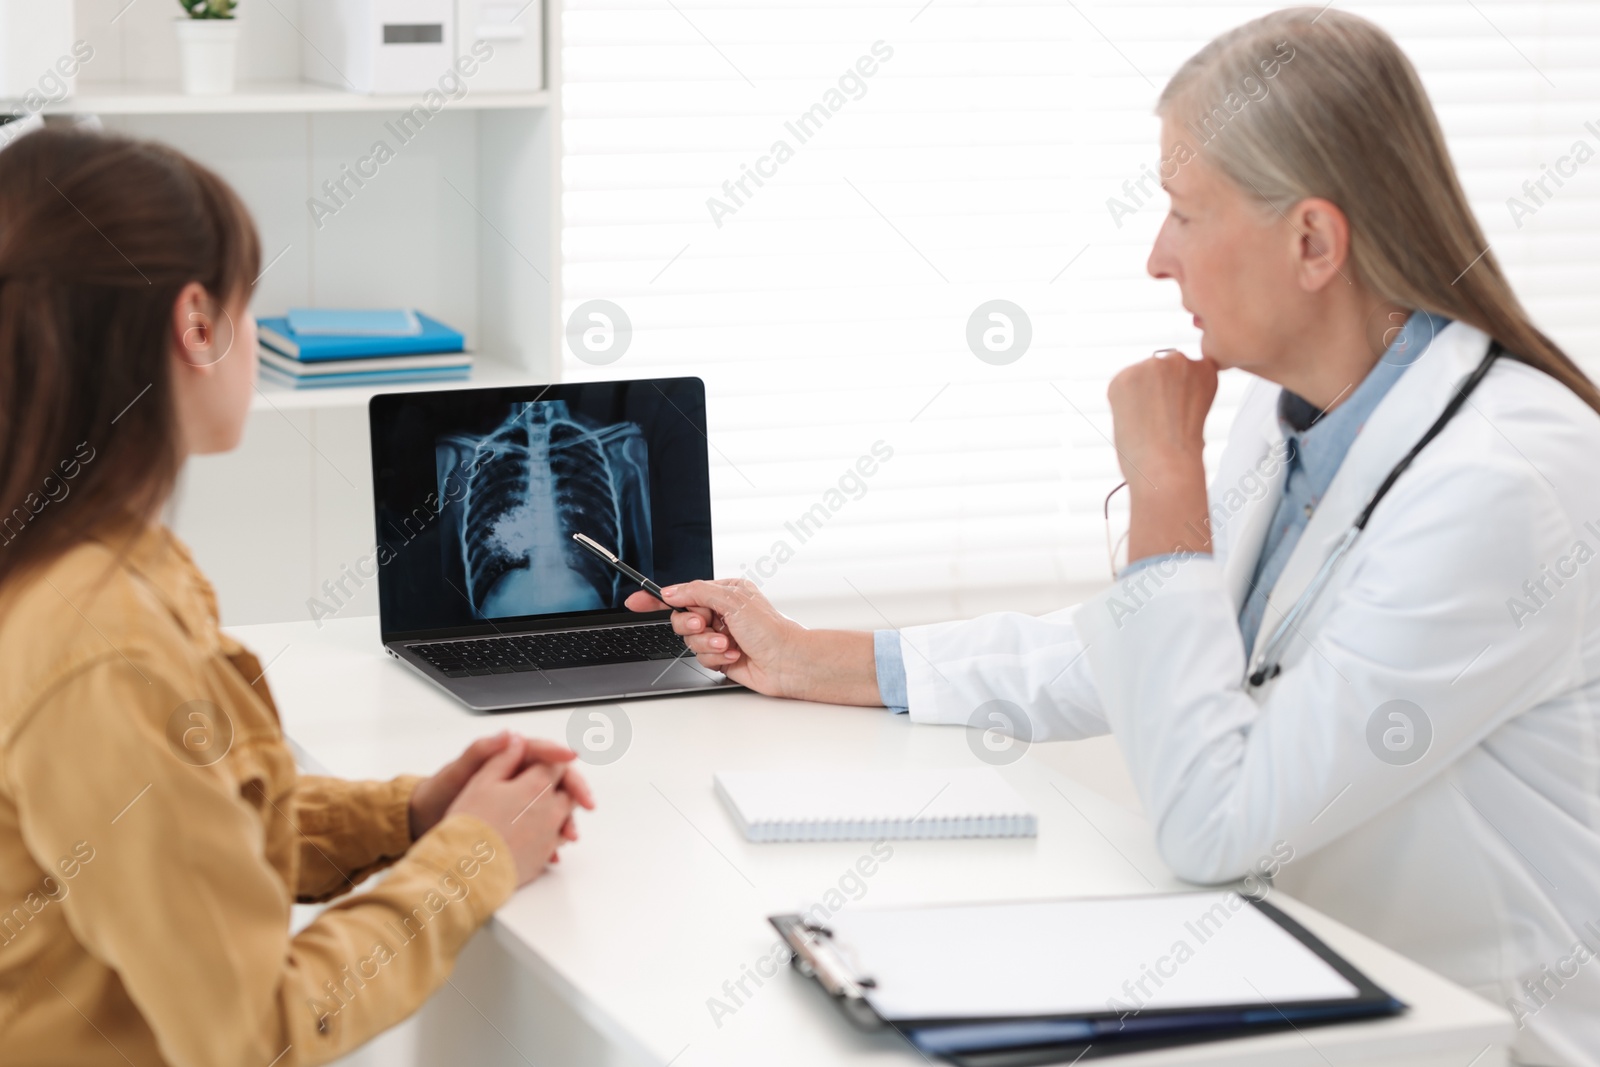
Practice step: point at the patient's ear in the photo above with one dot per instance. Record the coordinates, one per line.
(196, 334)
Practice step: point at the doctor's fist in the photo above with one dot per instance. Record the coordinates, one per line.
(731, 627)
(1158, 413)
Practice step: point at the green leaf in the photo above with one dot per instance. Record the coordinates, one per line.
(209, 9)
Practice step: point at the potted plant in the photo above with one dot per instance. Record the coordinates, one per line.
(208, 42)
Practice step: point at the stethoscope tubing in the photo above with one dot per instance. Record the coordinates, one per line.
(1267, 663)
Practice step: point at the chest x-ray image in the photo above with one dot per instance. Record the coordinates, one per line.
(540, 476)
(477, 493)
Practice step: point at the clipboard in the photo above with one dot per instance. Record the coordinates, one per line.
(1286, 956)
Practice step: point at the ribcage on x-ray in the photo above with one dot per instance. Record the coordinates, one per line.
(538, 478)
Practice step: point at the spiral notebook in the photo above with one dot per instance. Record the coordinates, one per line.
(831, 805)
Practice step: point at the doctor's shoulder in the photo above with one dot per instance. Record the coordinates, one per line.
(1509, 485)
(1522, 413)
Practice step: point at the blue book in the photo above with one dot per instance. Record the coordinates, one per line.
(374, 322)
(435, 336)
(457, 361)
(294, 381)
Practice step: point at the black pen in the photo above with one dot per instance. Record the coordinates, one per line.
(611, 557)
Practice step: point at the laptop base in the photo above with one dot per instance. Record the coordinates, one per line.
(569, 685)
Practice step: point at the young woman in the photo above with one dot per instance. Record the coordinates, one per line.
(1395, 716)
(153, 829)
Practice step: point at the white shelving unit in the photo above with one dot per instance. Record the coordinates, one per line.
(463, 223)
(256, 98)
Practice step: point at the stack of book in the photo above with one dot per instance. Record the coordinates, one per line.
(315, 347)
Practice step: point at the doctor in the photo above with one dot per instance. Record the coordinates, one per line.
(1407, 710)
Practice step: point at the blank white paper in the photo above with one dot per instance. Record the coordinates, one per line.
(1075, 957)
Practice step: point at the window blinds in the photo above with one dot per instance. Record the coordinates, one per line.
(820, 208)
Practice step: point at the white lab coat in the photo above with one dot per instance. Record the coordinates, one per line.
(1481, 859)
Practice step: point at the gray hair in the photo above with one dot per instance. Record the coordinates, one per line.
(1321, 103)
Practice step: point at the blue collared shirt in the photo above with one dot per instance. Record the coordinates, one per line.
(1316, 444)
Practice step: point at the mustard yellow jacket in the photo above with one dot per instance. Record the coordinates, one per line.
(154, 833)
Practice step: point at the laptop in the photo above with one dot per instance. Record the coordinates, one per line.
(477, 495)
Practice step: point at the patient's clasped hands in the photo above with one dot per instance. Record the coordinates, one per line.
(524, 788)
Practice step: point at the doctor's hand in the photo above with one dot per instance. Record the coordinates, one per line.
(1158, 414)
(731, 627)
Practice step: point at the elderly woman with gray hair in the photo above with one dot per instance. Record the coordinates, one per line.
(1386, 667)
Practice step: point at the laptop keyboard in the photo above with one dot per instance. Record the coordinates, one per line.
(552, 651)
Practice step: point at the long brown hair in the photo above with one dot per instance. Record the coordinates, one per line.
(98, 235)
(1346, 118)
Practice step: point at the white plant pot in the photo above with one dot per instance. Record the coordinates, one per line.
(208, 51)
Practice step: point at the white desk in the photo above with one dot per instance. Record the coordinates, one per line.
(612, 957)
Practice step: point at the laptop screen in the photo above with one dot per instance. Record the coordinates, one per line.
(479, 491)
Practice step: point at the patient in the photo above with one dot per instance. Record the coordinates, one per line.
(153, 829)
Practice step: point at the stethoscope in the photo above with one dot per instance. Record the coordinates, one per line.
(1267, 663)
